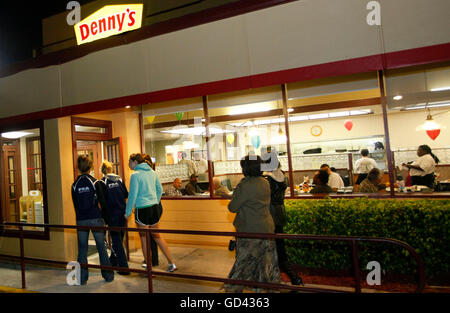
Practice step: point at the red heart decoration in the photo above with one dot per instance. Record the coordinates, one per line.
(433, 133)
(348, 125)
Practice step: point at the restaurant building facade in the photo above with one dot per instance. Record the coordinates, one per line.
(317, 81)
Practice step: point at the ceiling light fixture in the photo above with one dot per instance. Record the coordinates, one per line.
(441, 89)
(15, 135)
(399, 97)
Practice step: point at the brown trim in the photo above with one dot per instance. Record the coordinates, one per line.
(284, 93)
(388, 150)
(208, 146)
(30, 234)
(275, 112)
(87, 136)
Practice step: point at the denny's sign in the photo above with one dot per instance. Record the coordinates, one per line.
(108, 21)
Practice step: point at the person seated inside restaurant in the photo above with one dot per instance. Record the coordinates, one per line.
(372, 183)
(334, 180)
(364, 165)
(221, 190)
(192, 188)
(320, 181)
(175, 190)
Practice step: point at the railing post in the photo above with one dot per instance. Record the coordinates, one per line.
(356, 267)
(22, 260)
(149, 260)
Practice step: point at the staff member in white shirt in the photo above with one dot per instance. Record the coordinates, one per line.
(334, 180)
(364, 165)
(422, 169)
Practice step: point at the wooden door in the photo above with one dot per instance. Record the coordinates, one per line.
(112, 152)
(12, 183)
(93, 150)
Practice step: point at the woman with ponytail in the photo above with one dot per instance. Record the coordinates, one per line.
(145, 196)
(422, 170)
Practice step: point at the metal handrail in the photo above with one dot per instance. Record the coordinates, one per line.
(350, 239)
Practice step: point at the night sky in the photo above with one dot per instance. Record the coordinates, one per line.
(21, 28)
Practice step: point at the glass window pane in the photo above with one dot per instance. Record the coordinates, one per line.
(175, 138)
(331, 121)
(418, 104)
(90, 129)
(242, 123)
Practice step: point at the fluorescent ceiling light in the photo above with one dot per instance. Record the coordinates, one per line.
(15, 135)
(239, 111)
(339, 114)
(298, 118)
(430, 105)
(317, 116)
(441, 89)
(290, 110)
(360, 112)
(399, 97)
(196, 131)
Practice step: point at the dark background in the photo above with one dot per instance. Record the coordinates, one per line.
(21, 27)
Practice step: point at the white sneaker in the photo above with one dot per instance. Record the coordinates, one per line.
(144, 265)
(172, 268)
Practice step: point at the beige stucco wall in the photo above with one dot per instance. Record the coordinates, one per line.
(293, 35)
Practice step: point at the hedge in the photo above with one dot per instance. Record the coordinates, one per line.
(423, 224)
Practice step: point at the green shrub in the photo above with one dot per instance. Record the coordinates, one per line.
(423, 224)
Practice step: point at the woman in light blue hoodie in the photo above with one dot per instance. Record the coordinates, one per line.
(145, 195)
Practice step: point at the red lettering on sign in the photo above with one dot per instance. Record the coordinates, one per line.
(111, 21)
(94, 28)
(102, 25)
(84, 29)
(120, 22)
(132, 19)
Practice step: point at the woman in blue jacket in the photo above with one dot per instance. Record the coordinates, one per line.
(115, 193)
(145, 196)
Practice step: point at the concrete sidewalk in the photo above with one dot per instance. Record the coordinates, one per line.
(194, 260)
(208, 261)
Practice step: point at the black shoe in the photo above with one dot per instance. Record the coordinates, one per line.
(296, 280)
(232, 245)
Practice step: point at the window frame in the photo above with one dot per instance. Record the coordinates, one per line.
(30, 234)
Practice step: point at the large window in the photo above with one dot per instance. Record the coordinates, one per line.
(242, 123)
(175, 138)
(419, 114)
(331, 122)
(22, 177)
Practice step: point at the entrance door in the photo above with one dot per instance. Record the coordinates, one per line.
(12, 180)
(112, 152)
(93, 150)
(104, 150)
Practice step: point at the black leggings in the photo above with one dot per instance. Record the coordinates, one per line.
(427, 180)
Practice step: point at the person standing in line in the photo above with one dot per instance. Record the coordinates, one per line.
(86, 194)
(116, 194)
(145, 196)
(334, 180)
(364, 165)
(256, 259)
(422, 170)
(278, 184)
(192, 168)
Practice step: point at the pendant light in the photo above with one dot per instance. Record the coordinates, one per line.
(432, 128)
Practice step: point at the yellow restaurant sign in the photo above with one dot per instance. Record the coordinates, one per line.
(108, 21)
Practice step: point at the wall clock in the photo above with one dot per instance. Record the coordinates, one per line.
(316, 130)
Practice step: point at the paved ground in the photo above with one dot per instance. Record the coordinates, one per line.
(196, 260)
(210, 261)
